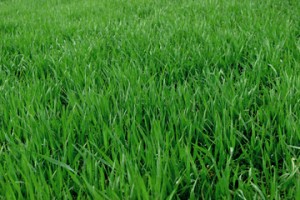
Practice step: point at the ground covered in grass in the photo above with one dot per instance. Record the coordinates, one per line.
(148, 99)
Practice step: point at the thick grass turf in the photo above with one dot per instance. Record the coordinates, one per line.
(149, 99)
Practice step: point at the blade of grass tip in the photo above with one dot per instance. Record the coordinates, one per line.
(171, 196)
(258, 190)
(240, 194)
(94, 192)
(208, 153)
(58, 163)
(76, 180)
(105, 159)
(91, 189)
(294, 147)
(192, 195)
(82, 154)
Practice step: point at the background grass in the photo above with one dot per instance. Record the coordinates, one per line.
(148, 99)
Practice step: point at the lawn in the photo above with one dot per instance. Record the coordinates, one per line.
(149, 99)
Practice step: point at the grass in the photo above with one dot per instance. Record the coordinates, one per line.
(148, 99)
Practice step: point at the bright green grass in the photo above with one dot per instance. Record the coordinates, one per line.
(144, 99)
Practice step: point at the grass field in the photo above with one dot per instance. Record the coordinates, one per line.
(149, 99)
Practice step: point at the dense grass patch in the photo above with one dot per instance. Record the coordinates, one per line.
(146, 99)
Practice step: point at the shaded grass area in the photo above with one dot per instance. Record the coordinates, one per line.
(149, 99)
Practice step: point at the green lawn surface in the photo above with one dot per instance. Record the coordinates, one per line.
(149, 99)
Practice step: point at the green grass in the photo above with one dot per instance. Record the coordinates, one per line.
(149, 99)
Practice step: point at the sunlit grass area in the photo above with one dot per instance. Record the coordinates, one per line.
(148, 99)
